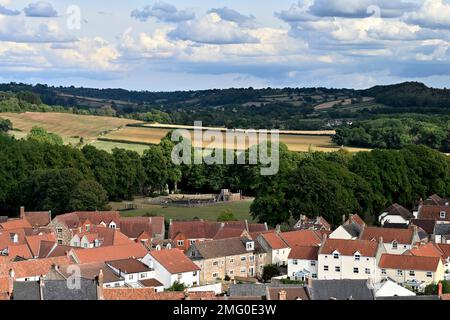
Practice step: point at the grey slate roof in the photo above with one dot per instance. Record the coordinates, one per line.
(56, 290)
(340, 290)
(353, 229)
(442, 229)
(247, 290)
(26, 291)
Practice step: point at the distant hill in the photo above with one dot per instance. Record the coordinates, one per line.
(412, 97)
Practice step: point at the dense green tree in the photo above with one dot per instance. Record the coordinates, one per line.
(225, 216)
(41, 135)
(155, 166)
(88, 195)
(103, 168)
(5, 125)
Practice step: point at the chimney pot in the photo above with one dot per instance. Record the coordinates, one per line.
(282, 295)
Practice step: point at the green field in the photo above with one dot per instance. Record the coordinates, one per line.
(240, 209)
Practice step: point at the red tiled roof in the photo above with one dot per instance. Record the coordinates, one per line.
(76, 219)
(133, 227)
(302, 238)
(208, 229)
(108, 253)
(140, 294)
(428, 212)
(274, 240)
(404, 236)
(407, 262)
(151, 283)
(349, 247)
(174, 261)
(304, 252)
(19, 250)
(129, 265)
(31, 268)
(38, 218)
(34, 242)
(15, 224)
(228, 233)
(4, 284)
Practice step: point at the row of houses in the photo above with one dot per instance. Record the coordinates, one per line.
(113, 253)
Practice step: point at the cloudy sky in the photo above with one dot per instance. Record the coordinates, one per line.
(197, 44)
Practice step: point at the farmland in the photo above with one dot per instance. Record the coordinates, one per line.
(107, 133)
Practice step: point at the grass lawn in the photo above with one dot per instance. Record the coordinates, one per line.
(240, 209)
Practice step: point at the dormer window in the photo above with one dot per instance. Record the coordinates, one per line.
(394, 245)
(442, 214)
(336, 255)
(250, 246)
(88, 227)
(357, 257)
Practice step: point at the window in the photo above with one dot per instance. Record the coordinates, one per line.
(383, 271)
(143, 275)
(108, 286)
(295, 262)
(357, 257)
(85, 245)
(215, 263)
(88, 227)
(442, 214)
(116, 284)
(194, 283)
(59, 230)
(252, 258)
(231, 272)
(194, 273)
(367, 270)
(231, 260)
(243, 258)
(215, 275)
(356, 270)
(429, 274)
(243, 270)
(412, 273)
(325, 268)
(313, 263)
(399, 272)
(394, 245)
(336, 255)
(130, 277)
(180, 243)
(60, 242)
(314, 275)
(337, 269)
(75, 244)
(191, 242)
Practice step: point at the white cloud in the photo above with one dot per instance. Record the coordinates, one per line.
(228, 14)
(163, 12)
(433, 14)
(212, 29)
(40, 9)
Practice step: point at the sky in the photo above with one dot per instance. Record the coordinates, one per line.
(167, 45)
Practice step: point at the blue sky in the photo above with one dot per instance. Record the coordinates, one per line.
(198, 44)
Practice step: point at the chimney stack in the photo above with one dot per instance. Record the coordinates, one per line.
(100, 280)
(278, 229)
(343, 219)
(282, 295)
(11, 278)
(22, 212)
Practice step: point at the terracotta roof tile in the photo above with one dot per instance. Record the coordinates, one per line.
(38, 218)
(349, 247)
(31, 268)
(15, 224)
(151, 283)
(174, 261)
(20, 250)
(227, 233)
(297, 293)
(34, 242)
(302, 238)
(428, 212)
(274, 240)
(140, 294)
(133, 227)
(388, 234)
(407, 262)
(108, 253)
(304, 253)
